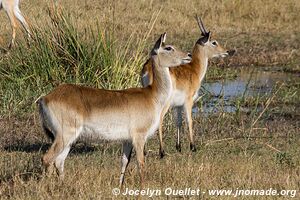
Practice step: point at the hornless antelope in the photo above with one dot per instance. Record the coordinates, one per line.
(186, 81)
(13, 12)
(131, 115)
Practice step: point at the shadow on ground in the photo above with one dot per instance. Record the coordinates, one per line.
(78, 148)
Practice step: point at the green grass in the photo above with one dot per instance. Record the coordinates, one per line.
(60, 54)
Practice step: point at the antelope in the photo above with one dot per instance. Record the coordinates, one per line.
(186, 81)
(13, 12)
(130, 115)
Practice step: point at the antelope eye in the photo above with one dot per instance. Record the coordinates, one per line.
(168, 48)
(214, 43)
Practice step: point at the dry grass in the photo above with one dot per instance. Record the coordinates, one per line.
(231, 152)
(263, 32)
(227, 158)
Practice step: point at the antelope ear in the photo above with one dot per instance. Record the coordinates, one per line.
(209, 35)
(158, 44)
(202, 41)
(164, 36)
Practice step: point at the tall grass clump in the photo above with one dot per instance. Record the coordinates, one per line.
(60, 53)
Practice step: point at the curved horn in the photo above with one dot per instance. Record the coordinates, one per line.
(201, 26)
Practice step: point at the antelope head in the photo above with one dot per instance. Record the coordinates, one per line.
(211, 47)
(169, 55)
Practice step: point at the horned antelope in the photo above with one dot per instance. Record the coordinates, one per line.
(186, 81)
(13, 12)
(72, 111)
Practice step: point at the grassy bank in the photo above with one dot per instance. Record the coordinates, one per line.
(104, 43)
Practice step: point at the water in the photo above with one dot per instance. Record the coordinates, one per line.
(249, 83)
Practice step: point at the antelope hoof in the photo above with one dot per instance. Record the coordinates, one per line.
(61, 176)
(162, 153)
(11, 45)
(45, 162)
(178, 147)
(48, 170)
(193, 147)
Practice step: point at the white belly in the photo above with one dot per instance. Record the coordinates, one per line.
(108, 128)
(111, 132)
(178, 98)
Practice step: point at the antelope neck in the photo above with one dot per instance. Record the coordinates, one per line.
(200, 61)
(162, 84)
